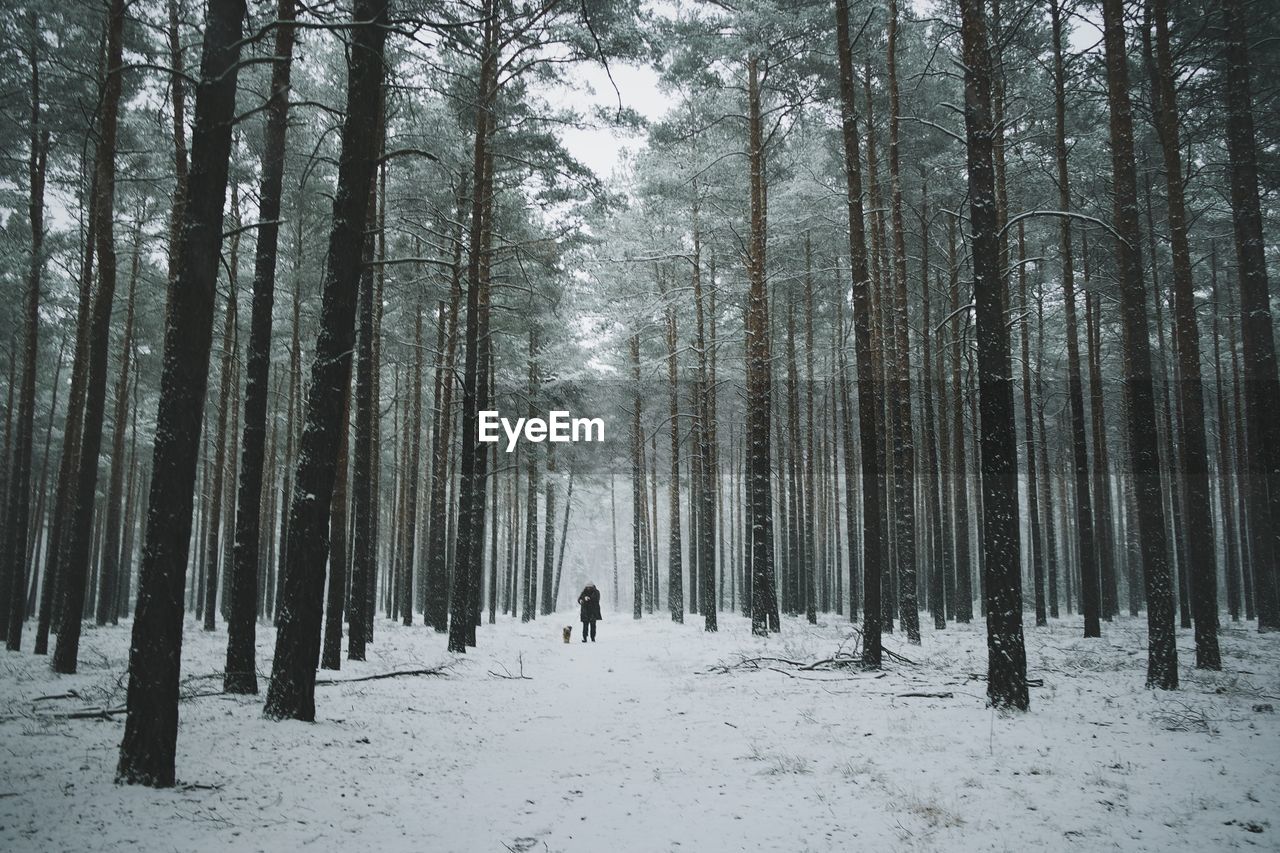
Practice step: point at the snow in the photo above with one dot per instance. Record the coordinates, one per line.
(636, 743)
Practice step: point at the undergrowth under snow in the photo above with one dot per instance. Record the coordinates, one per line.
(660, 737)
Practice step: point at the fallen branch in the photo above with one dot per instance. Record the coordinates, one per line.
(895, 656)
(89, 713)
(944, 695)
(506, 673)
(982, 676)
(441, 670)
(70, 694)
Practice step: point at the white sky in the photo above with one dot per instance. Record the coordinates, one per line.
(600, 148)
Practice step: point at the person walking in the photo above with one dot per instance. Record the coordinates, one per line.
(589, 601)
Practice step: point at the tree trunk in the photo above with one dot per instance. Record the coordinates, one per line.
(904, 456)
(939, 566)
(1194, 457)
(13, 563)
(1162, 655)
(759, 380)
(331, 648)
(1007, 664)
(638, 558)
(437, 614)
(240, 674)
(1261, 384)
(292, 690)
(109, 576)
(960, 475)
(675, 564)
(471, 487)
(151, 729)
(1075, 387)
(1228, 477)
(214, 529)
(869, 396)
(1034, 546)
(77, 538)
(1090, 581)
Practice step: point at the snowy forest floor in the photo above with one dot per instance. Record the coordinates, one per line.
(638, 743)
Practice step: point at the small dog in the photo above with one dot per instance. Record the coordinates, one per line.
(567, 631)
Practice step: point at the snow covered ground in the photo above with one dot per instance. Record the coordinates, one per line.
(637, 743)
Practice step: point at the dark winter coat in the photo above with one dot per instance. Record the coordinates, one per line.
(589, 600)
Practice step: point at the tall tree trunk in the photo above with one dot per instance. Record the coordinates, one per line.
(471, 487)
(1194, 457)
(1034, 546)
(331, 646)
(292, 690)
(1075, 388)
(109, 576)
(637, 487)
(151, 729)
(437, 614)
(1046, 478)
(759, 380)
(675, 564)
(13, 563)
(1261, 383)
(178, 100)
(411, 476)
(812, 572)
(240, 673)
(124, 591)
(564, 536)
(214, 529)
(1228, 477)
(1006, 654)
(528, 609)
(869, 396)
(960, 475)
(940, 565)
(549, 535)
(1162, 655)
(77, 542)
(704, 420)
(904, 456)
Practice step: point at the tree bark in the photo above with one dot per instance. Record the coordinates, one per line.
(13, 564)
(675, 563)
(292, 690)
(241, 676)
(109, 575)
(1261, 383)
(1006, 654)
(1162, 655)
(1194, 457)
(77, 543)
(151, 728)
(1075, 387)
(472, 485)
(869, 396)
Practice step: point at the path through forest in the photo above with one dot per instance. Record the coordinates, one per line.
(636, 743)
